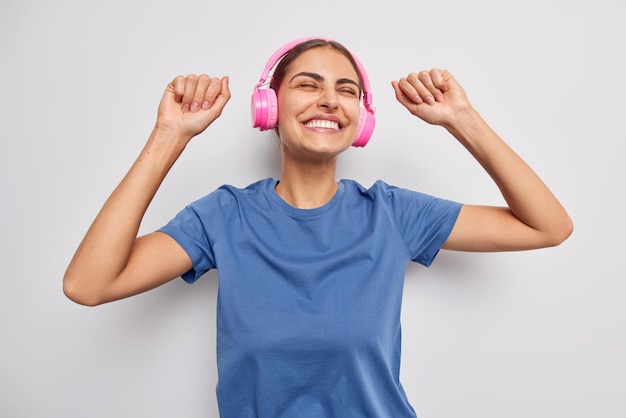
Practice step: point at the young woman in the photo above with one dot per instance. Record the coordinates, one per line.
(311, 269)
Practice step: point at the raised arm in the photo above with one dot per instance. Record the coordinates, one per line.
(111, 262)
(534, 217)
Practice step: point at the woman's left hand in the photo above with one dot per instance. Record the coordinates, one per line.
(433, 96)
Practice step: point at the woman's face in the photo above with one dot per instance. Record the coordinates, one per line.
(318, 104)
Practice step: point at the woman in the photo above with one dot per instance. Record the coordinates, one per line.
(311, 269)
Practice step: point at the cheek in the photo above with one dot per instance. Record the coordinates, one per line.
(287, 106)
(353, 111)
(351, 107)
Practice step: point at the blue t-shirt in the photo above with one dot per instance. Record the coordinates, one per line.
(308, 315)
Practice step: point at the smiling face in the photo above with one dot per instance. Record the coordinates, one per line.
(318, 104)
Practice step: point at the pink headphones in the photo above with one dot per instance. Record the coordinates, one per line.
(265, 108)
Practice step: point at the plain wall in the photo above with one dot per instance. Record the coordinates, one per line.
(527, 334)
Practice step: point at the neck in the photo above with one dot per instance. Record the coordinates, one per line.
(307, 185)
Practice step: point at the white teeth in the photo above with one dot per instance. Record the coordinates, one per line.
(319, 123)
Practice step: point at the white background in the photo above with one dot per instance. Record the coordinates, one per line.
(532, 334)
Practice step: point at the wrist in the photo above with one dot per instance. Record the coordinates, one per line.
(464, 122)
(163, 147)
(169, 138)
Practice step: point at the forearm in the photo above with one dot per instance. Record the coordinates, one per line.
(107, 245)
(527, 196)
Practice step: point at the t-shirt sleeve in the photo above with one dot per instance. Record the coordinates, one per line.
(191, 228)
(424, 221)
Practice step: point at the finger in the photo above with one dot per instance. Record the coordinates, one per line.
(211, 93)
(405, 100)
(177, 88)
(191, 81)
(439, 78)
(409, 87)
(223, 96)
(203, 82)
(430, 93)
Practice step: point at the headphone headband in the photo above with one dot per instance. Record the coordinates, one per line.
(282, 51)
(264, 106)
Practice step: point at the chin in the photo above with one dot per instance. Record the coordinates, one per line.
(329, 147)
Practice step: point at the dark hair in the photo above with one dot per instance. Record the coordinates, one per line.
(289, 57)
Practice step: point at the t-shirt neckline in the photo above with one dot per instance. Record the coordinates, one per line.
(298, 212)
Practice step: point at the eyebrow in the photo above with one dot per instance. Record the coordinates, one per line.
(318, 77)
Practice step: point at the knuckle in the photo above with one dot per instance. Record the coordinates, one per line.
(423, 75)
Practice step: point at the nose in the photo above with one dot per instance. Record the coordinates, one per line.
(328, 99)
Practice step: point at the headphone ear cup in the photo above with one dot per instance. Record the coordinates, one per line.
(367, 121)
(264, 109)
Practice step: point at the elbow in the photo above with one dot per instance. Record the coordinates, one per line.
(77, 293)
(561, 232)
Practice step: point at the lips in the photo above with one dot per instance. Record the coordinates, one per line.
(323, 124)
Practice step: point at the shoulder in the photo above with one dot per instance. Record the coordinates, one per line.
(230, 194)
(400, 198)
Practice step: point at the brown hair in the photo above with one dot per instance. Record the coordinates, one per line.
(289, 57)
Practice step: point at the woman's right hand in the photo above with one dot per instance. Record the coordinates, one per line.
(191, 103)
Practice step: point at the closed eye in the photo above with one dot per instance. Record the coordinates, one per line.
(345, 86)
(348, 91)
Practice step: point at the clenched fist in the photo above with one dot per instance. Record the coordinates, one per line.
(191, 103)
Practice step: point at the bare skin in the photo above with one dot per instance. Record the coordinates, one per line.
(318, 87)
(534, 217)
(113, 263)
